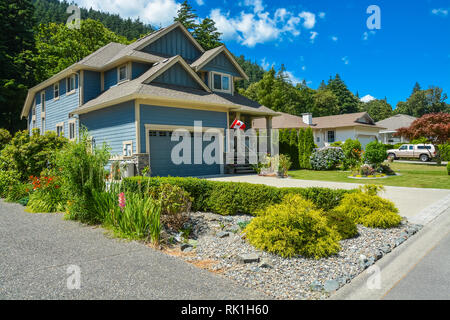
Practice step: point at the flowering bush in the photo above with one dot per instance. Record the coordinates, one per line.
(46, 196)
(327, 158)
(366, 170)
(352, 151)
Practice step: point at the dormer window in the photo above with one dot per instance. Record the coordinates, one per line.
(221, 82)
(122, 73)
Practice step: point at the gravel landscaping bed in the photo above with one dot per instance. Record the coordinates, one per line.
(217, 244)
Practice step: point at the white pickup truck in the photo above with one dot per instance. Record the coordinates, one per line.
(424, 152)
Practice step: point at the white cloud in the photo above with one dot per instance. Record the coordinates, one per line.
(303, 68)
(367, 98)
(345, 60)
(155, 12)
(366, 35)
(313, 36)
(334, 38)
(310, 19)
(293, 78)
(440, 12)
(260, 26)
(200, 2)
(321, 15)
(265, 64)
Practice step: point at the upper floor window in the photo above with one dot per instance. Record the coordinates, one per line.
(56, 90)
(71, 83)
(122, 73)
(43, 102)
(33, 111)
(221, 82)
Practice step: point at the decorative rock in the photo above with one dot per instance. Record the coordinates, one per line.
(386, 249)
(362, 261)
(233, 229)
(265, 263)
(331, 285)
(229, 219)
(399, 241)
(344, 280)
(185, 246)
(404, 235)
(248, 258)
(222, 234)
(316, 286)
(255, 269)
(378, 255)
(193, 242)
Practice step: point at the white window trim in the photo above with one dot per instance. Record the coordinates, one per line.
(74, 122)
(74, 83)
(124, 144)
(126, 73)
(54, 90)
(60, 124)
(221, 75)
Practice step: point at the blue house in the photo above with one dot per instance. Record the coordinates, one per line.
(134, 96)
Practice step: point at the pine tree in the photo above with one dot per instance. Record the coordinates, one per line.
(187, 16)
(301, 147)
(416, 88)
(293, 147)
(348, 103)
(207, 35)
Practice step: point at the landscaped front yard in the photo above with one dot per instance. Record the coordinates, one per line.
(411, 175)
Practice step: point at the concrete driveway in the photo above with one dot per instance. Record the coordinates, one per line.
(36, 251)
(417, 204)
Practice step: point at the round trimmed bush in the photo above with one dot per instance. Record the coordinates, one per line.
(293, 227)
(369, 210)
(375, 153)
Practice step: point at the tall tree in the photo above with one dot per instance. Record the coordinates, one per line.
(378, 109)
(423, 102)
(325, 103)
(416, 88)
(348, 103)
(59, 47)
(187, 16)
(207, 35)
(16, 46)
(254, 72)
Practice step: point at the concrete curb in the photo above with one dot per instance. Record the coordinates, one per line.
(397, 264)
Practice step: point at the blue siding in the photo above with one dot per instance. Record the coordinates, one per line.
(56, 111)
(138, 69)
(221, 63)
(177, 75)
(92, 85)
(112, 125)
(172, 44)
(178, 117)
(110, 78)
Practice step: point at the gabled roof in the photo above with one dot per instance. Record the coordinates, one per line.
(211, 54)
(396, 122)
(152, 37)
(289, 121)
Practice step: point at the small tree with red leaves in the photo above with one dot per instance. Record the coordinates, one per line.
(435, 127)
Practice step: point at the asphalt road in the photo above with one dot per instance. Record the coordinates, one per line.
(37, 250)
(429, 279)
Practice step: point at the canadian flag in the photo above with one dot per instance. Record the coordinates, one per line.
(238, 124)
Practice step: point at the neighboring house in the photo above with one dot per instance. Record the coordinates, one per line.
(392, 124)
(331, 128)
(133, 96)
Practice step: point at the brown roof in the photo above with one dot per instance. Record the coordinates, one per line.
(289, 121)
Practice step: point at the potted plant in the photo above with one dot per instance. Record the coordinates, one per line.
(284, 164)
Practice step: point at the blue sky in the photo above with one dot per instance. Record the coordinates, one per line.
(318, 38)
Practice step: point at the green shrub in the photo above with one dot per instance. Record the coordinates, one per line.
(7, 179)
(368, 209)
(30, 155)
(386, 169)
(343, 224)
(352, 152)
(229, 198)
(284, 164)
(175, 202)
(293, 227)
(337, 144)
(448, 168)
(18, 191)
(375, 153)
(444, 150)
(327, 158)
(5, 138)
(47, 195)
(81, 168)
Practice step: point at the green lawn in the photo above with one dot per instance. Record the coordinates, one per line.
(412, 175)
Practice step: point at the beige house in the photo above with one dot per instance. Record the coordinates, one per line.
(329, 129)
(391, 125)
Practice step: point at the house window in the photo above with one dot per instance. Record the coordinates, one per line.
(72, 129)
(221, 82)
(43, 102)
(71, 83)
(318, 139)
(60, 129)
(122, 73)
(43, 125)
(330, 135)
(56, 91)
(128, 148)
(34, 110)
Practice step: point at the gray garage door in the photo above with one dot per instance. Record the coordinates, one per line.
(161, 163)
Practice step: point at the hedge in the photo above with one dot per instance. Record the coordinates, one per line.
(229, 198)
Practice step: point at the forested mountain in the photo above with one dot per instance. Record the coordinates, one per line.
(55, 11)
